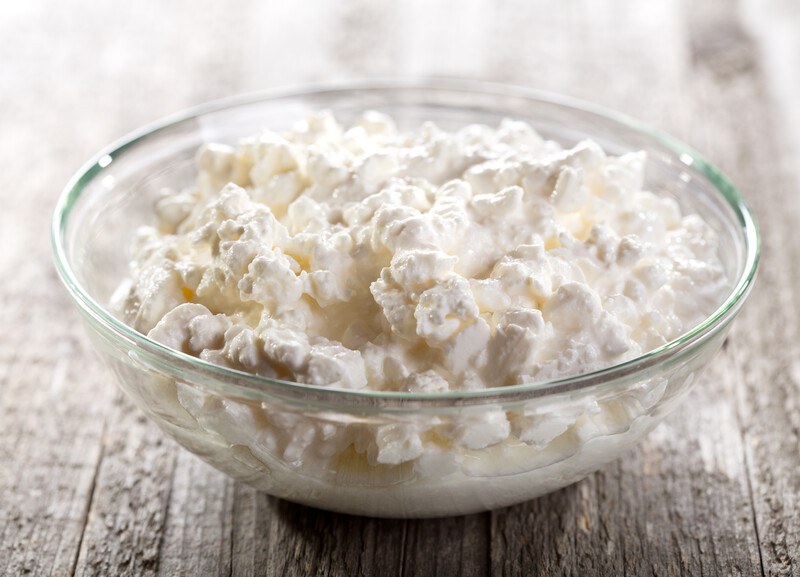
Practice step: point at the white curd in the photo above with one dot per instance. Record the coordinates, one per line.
(426, 261)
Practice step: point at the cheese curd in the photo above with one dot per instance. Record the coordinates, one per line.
(364, 257)
(421, 261)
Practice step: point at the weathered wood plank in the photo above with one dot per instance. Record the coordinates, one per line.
(127, 518)
(744, 132)
(252, 514)
(775, 26)
(197, 534)
(49, 448)
(53, 401)
(455, 546)
(305, 541)
(714, 491)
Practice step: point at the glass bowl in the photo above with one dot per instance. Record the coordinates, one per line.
(317, 446)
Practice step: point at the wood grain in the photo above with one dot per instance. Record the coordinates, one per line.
(742, 130)
(126, 520)
(88, 487)
(197, 538)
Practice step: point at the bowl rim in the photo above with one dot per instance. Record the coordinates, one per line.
(236, 382)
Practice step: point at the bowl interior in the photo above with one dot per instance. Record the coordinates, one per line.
(114, 195)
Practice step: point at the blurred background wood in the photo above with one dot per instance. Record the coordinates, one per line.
(89, 487)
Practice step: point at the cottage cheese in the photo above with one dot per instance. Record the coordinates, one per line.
(426, 261)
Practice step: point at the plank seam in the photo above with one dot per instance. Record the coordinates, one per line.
(232, 545)
(167, 510)
(489, 516)
(403, 541)
(748, 469)
(752, 503)
(90, 500)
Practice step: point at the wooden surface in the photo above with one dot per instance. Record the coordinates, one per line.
(89, 487)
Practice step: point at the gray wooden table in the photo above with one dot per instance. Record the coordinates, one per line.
(88, 487)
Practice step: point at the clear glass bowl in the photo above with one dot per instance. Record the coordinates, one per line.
(316, 446)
